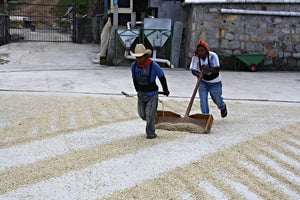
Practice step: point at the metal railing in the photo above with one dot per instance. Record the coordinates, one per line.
(41, 22)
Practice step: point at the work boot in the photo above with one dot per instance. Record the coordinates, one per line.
(151, 136)
(224, 112)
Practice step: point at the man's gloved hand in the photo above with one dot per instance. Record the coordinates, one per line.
(166, 93)
(212, 70)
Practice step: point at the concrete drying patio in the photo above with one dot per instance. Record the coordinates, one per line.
(67, 132)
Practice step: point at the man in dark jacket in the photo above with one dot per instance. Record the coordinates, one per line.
(144, 72)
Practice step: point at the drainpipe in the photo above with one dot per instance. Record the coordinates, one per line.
(260, 12)
(238, 1)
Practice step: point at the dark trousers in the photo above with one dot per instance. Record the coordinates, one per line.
(147, 107)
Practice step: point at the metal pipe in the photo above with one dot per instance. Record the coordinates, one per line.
(161, 60)
(238, 1)
(126, 55)
(105, 6)
(164, 61)
(259, 12)
(129, 24)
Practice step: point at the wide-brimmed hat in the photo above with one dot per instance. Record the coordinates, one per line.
(140, 50)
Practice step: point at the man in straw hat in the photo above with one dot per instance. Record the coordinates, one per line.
(208, 62)
(144, 72)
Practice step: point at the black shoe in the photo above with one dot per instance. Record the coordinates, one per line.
(151, 136)
(224, 112)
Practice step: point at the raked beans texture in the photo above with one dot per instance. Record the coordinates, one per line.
(84, 147)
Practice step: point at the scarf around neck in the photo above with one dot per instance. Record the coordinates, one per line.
(145, 64)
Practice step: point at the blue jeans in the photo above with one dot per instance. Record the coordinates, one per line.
(147, 107)
(215, 91)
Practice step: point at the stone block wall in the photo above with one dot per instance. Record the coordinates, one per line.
(274, 35)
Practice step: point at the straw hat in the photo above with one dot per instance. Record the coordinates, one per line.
(140, 50)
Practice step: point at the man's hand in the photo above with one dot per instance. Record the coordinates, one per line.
(212, 70)
(166, 93)
(196, 73)
(204, 68)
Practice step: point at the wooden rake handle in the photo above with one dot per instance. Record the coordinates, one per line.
(188, 110)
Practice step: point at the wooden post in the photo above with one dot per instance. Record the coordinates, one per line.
(5, 6)
(133, 19)
(74, 38)
(116, 15)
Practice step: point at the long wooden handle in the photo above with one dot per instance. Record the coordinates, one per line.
(188, 110)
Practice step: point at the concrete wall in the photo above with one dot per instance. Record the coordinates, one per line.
(277, 36)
